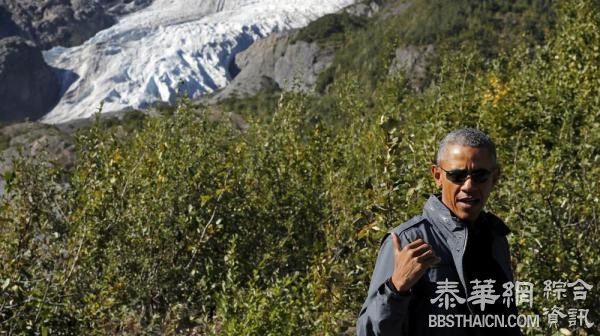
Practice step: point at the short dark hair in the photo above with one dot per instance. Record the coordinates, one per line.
(466, 137)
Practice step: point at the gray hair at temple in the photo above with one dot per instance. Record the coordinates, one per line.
(466, 137)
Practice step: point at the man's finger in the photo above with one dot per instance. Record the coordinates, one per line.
(419, 250)
(415, 244)
(426, 254)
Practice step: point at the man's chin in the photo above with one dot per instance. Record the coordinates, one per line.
(468, 214)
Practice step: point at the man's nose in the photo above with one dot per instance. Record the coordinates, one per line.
(468, 184)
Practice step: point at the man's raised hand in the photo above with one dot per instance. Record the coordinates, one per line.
(411, 262)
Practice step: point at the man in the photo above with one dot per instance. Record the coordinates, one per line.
(439, 271)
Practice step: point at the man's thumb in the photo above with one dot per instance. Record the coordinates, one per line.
(396, 241)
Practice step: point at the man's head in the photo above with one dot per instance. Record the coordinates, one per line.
(466, 170)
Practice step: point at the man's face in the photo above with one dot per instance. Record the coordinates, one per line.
(465, 199)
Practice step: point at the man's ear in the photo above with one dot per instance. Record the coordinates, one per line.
(437, 175)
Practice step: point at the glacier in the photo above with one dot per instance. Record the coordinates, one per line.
(170, 48)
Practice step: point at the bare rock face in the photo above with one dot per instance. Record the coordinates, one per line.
(256, 66)
(276, 63)
(412, 61)
(299, 67)
(29, 86)
(365, 9)
(67, 23)
(7, 26)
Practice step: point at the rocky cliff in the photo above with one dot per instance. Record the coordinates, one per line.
(276, 62)
(61, 22)
(29, 87)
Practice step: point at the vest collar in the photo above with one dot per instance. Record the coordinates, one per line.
(435, 211)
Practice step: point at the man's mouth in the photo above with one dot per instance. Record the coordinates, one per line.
(469, 201)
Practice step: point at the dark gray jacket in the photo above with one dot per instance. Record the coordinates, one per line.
(386, 312)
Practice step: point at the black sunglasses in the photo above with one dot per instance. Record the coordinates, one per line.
(461, 175)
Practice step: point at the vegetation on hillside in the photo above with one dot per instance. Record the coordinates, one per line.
(482, 28)
(188, 226)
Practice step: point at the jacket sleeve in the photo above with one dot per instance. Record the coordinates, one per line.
(385, 312)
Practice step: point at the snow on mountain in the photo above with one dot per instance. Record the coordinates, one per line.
(169, 48)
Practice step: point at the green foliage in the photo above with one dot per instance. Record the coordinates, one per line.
(263, 103)
(187, 226)
(4, 141)
(279, 309)
(330, 29)
(35, 257)
(486, 27)
(492, 25)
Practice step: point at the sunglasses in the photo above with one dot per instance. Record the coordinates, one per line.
(461, 175)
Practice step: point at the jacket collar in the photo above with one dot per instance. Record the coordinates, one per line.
(435, 211)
